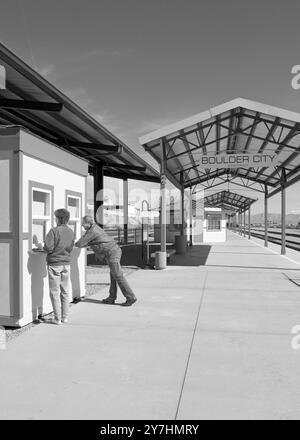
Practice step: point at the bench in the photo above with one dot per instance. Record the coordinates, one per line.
(170, 252)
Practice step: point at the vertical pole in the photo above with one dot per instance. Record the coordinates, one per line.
(244, 229)
(241, 223)
(98, 197)
(163, 229)
(249, 222)
(182, 204)
(191, 216)
(266, 215)
(283, 182)
(125, 209)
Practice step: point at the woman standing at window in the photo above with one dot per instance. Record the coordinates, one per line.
(59, 243)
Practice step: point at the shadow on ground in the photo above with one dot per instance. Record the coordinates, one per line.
(132, 255)
(195, 256)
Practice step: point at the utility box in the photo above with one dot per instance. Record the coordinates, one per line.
(36, 178)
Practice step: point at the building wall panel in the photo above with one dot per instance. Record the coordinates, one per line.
(5, 278)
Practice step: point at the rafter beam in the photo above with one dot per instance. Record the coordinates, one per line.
(31, 105)
(90, 146)
(294, 132)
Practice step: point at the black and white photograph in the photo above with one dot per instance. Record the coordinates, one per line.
(149, 214)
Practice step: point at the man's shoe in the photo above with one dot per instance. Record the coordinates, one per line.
(108, 301)
(64, 320)
(129, 302)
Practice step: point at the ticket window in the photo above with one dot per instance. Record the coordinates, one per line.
(74, 206)
(41, 214)
(214, 222)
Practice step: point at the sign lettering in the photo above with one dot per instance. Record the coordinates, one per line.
(238, 160)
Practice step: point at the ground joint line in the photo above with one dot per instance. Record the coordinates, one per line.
(191, 345)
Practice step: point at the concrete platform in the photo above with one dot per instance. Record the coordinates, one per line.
(209, 338)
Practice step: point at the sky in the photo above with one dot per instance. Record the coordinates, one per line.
(137, 65)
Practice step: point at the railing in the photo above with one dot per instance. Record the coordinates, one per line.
(134, 234)
(275, 236)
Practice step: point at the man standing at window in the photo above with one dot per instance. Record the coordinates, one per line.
(105, 248)
(59, 243)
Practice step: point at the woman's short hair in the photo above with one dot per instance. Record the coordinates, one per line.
(62, 215)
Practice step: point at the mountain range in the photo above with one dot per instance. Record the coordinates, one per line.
(291, 219)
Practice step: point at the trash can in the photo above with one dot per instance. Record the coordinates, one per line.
(180, 244)
(160, 260)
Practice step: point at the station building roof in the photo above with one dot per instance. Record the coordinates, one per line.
(229, 201)
(238, 126)
(30, 101)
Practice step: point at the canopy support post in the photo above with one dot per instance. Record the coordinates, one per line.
(266, 215)
(191, 216)
(249, 222)
(98, 194)
(283, 210)
(125, 209)
(182, 204)
(163, 209)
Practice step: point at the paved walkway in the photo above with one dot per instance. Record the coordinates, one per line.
(203, 342)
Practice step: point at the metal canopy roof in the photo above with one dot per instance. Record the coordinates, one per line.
(238, 126)
(32, 102)
(229, 201)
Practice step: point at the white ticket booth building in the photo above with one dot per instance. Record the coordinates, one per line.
(36, 178)
(214, 225)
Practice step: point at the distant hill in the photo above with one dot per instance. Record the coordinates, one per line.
(291, 219)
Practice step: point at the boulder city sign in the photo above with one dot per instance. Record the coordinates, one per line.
(238, 160)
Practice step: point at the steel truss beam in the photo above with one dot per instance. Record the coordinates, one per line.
(292, 133)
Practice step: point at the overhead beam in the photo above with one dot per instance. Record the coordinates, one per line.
(192, 160)
(186, 132)
(292, 133)
(123, 166)
(212, 176)
(91, 146)
(170, 176)
(287, 184)
(31, 105)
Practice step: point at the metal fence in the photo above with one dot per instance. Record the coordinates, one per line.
(135, 235)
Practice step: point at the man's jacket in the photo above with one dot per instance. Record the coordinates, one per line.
(59, 243)
(102, 244)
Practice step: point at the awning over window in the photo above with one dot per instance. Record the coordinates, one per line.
(30, 101)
